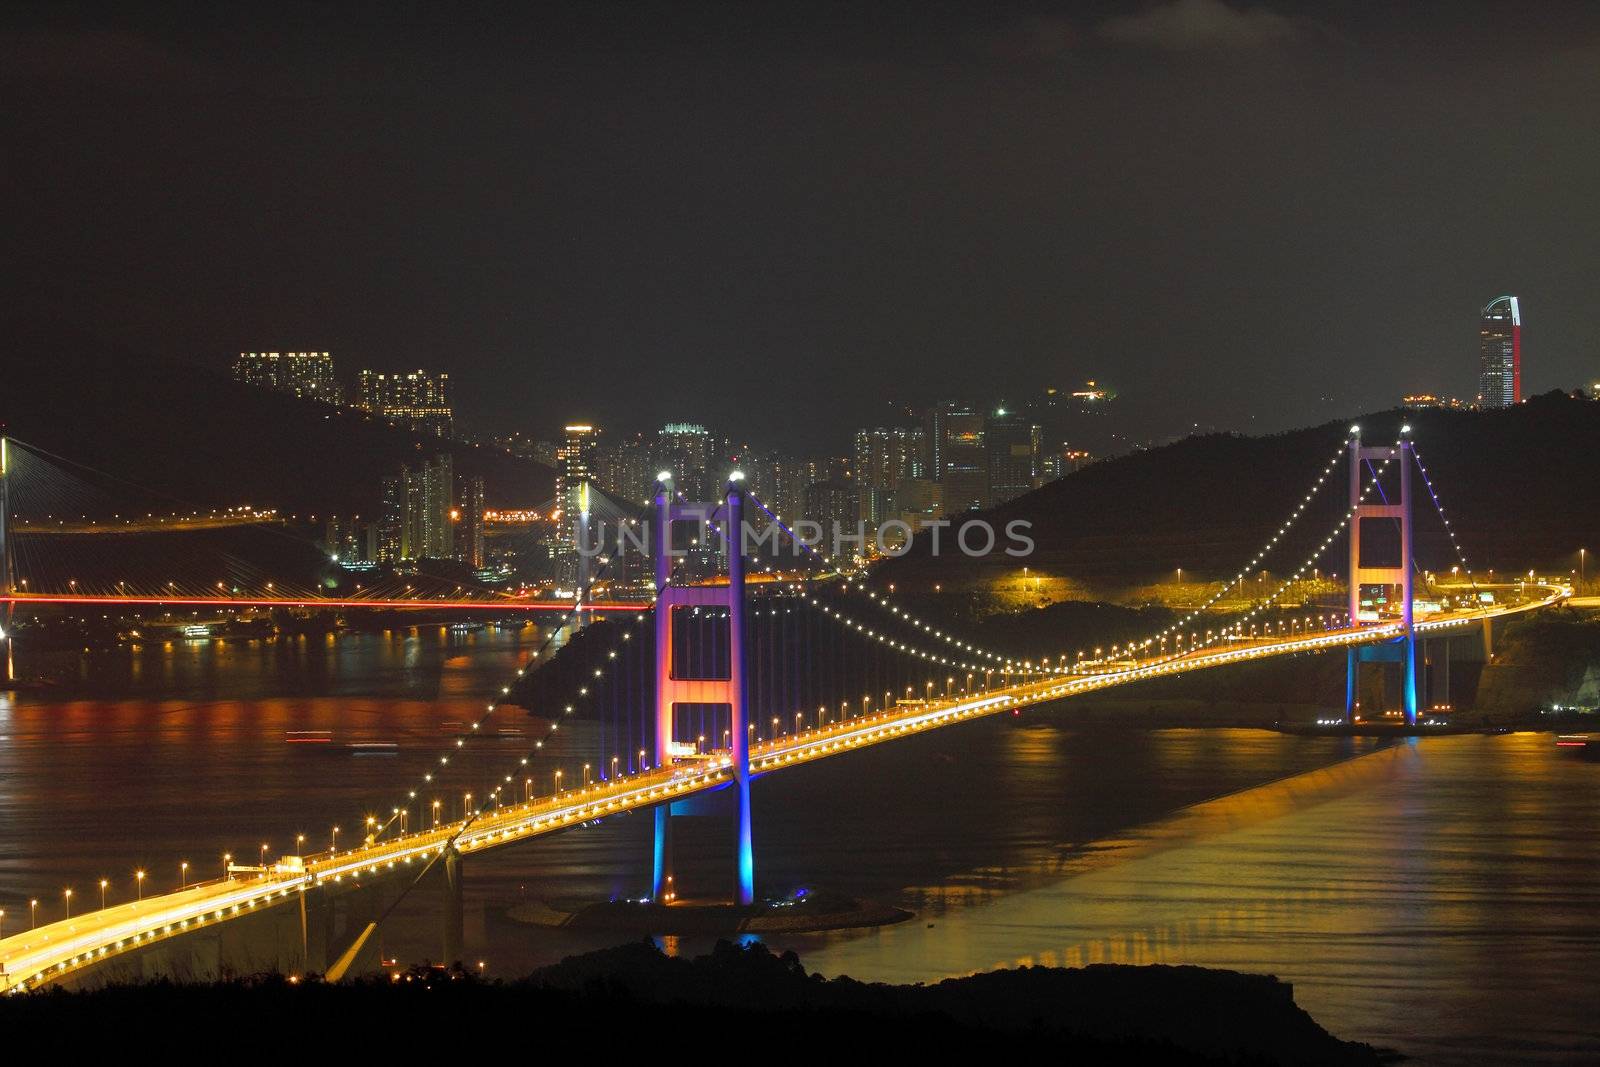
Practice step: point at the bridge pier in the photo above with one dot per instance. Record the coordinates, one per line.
(1352, 672)
(316, 933)
(661, 882)
(453, 913)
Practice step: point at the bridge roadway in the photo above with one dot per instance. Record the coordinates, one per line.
(69, 946)
(506, 604)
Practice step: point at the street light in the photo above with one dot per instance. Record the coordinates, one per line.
(138, 882)
(33, 913)
(183, 871)
(103, 884)
(67, 896)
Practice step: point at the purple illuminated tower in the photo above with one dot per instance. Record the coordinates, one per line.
(672, 690)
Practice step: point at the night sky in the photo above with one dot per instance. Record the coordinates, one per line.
(777, 218)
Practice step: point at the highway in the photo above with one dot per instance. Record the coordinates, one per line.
(507, 604)
(29, 959)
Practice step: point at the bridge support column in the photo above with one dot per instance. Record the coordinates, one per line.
(454, 910)
(316, 932)
(661, 887)
(1352, 672)
(1488, 640)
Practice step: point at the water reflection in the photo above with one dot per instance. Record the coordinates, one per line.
(1438, 897)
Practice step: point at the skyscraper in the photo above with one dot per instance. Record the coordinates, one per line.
(414, 517)
(1500, 354)
(391, 519)
(575, 470)
(469, 527)
(965, 472)
(1012, 443)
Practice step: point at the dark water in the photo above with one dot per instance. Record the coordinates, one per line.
(1439, 897)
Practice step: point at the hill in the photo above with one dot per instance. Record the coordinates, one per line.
(1519, 487)
(202, 438)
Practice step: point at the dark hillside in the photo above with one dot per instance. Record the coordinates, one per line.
(203, 439)
(1521, 488)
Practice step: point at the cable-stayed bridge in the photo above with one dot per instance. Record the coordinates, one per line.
(732, 688)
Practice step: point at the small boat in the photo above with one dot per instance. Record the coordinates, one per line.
(1586, 746)
(308, 737)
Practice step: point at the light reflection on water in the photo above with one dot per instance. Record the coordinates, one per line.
(1438, 897)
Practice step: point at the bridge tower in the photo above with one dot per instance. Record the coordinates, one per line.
(672, 690)
(585, 551)
(1403, 649)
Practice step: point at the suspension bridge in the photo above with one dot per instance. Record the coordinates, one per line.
(721, 696)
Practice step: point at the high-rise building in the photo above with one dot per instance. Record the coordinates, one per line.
(888, 455)
(965, 458)
(1500, 354)
(304, 374)
(469, 523)
(414, 520)
(435, 486)
(687, 450)
(885, 456)
(627, 469)
(1011, 440)
(391, 519)
(349, 540)
(835, 506)
(575, 471)
(416, 399)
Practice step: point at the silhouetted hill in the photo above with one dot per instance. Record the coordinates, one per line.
(204, 439)
(1520, 487)
(746, 998)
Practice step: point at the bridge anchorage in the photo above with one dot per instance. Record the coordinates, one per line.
(679, 685)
